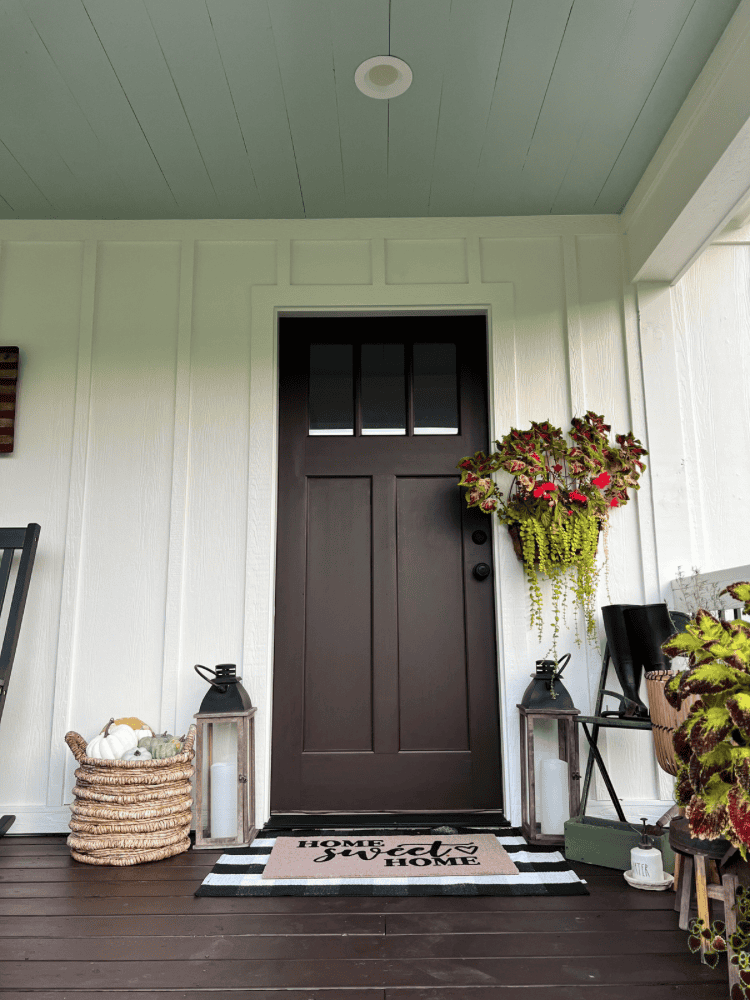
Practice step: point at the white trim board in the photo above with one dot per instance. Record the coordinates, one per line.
(267, 303)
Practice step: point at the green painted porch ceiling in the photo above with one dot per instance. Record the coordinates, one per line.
(145, 109)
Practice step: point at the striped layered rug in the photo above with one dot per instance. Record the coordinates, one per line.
(541, 871)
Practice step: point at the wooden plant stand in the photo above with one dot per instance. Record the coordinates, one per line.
(696, 874)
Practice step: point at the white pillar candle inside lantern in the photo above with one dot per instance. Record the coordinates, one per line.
(224, 800)
(554, 800)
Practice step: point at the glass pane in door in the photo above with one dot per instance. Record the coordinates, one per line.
(331, 399)
(383, 389)
(435, 389)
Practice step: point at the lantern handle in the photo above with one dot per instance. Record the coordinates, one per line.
(199, 667)
(564, 660)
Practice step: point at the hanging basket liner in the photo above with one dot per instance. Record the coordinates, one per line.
(130, 812)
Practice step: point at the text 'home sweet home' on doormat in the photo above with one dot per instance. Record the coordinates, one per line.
(530, 870)
(356, 856)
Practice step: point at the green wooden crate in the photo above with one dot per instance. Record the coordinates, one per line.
(608, 843)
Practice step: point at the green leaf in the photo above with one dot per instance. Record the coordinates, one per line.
(709, 728)
(715, 793)
(709, 678)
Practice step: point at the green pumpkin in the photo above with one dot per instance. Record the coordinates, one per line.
(161, 746)
(169, 748)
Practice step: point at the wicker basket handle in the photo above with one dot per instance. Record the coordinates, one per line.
(77, 744)
(187, 746)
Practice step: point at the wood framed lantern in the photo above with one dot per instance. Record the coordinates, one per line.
(225, 763)
(570, 794)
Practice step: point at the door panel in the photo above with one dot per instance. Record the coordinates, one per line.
(385, 689)
(338, 660)
(432, 641)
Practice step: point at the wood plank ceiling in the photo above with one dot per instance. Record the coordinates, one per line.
(141, 109)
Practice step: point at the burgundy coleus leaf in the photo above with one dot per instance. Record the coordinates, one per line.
(739, 813)
(683, 790)
(672, 691)
(681, 743)
(711, 959)
(514, 465)
(488, 505)
(694, 944)
(557, 468)
(465, 463)
(742, 773)
(719, 943)
(738, 706)
(704, 823)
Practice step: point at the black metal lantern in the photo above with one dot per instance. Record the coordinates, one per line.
(224, 762)
(547, 699)
(546, 690)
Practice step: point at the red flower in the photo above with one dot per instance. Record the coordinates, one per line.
(614, 502)
(557, 468)
(579, 497)
(602, 480)
(543, 488)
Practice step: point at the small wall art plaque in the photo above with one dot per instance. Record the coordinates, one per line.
(8, 383)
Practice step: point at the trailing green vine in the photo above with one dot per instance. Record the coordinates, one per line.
(559, 501)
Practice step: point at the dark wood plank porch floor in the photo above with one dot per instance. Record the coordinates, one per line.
(72, 931)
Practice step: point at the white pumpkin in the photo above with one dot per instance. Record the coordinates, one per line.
(113, 742)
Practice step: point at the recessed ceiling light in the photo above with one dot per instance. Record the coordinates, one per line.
(383, 77)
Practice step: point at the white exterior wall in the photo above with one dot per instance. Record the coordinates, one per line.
(146, 449)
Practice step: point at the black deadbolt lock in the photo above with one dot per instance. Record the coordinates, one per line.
(481, 571)
(479, 536)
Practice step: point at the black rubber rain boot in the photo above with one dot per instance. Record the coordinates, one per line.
(629, 670)
(648, 626)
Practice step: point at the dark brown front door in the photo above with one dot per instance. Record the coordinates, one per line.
(385, 688)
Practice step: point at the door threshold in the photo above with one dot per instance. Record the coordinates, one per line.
(483, 817)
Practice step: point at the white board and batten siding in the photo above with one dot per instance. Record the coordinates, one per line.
(146, 449)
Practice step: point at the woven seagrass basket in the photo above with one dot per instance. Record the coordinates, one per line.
(664, 719)
(126, 812)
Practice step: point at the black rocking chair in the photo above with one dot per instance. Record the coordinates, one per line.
(12, 539)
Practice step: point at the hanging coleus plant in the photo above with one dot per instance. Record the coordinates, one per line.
(559, 501)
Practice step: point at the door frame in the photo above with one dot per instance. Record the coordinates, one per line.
(268, 304)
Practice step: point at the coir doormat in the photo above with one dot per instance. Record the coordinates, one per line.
(416, 861)
(357, 856)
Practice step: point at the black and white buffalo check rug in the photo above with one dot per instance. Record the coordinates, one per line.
(542, 871)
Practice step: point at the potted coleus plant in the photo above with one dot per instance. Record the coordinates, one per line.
(712, 752)
(559, 501)
(712, 745)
